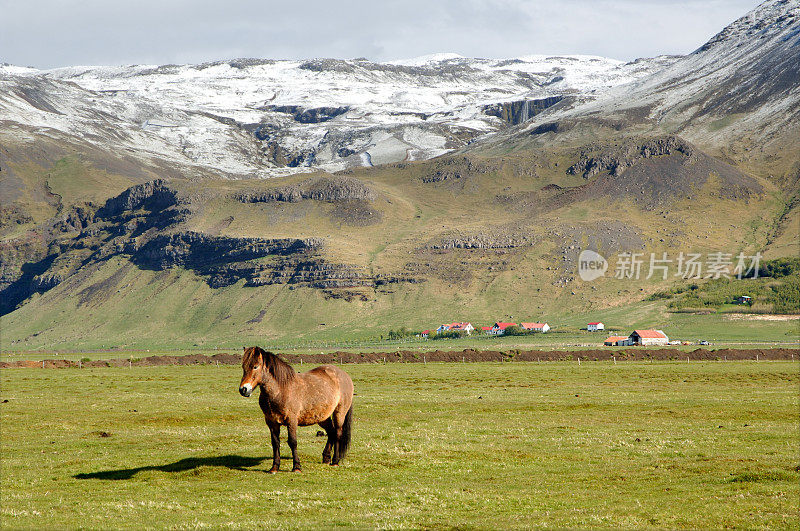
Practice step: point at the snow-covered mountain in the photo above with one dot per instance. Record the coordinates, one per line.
(253, 117)
(744, 84)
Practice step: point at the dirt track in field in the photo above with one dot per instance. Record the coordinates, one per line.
(406, 356)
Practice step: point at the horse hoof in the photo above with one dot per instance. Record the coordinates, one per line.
(326, 461)
(272, 471)
(297, 470)
(334, 464)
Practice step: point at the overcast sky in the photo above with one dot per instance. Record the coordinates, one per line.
(52, 33)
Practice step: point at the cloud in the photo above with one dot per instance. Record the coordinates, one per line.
(51, 33)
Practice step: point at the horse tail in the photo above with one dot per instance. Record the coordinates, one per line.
(347, 430)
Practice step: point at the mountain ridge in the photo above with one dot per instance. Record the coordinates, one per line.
(494, 226)
(222, 115)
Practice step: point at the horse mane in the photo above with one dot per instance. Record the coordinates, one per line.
(279, 369)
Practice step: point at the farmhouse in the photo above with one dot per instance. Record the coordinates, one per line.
(743, 299)
(462, 327)
(425, 333)
(486, 329)
(456, 327)
(535, 327)
(618, 341)
(500, 328)
(594, 327)
(648, 337)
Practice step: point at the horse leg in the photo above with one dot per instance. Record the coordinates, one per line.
(291, 428)
(275, 433)
(327, 425)
(337, 434)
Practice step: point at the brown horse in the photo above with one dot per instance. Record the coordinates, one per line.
(321, 396)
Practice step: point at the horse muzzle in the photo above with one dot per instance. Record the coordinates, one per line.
(245, 390)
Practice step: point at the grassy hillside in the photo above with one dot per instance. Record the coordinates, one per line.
(119, 305)
(477, 237)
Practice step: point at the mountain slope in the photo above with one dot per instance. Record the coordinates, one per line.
(252, 117)
(399, 244)
(737, 96)
(681, 161)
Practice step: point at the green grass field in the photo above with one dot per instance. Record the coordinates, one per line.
(700, 445)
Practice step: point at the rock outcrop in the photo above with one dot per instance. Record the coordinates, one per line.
(454, 168)
(144, 224)
(153, 195)
(308, 116)
(655, 172)
(484, 241)
(331, 189)
(617, 161)
(195, 250)
(516, 112)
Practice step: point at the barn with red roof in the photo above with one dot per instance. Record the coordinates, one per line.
(648, 337)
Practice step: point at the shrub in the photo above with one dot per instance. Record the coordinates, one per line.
(400, 333)
(448, 334)
(658, 295)
(785, 297)
(514, 331)
(780, 267)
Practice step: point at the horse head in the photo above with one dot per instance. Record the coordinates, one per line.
(253, 370)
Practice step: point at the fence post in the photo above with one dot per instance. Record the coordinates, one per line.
(615, 359)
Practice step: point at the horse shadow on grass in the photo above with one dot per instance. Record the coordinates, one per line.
(233, 462)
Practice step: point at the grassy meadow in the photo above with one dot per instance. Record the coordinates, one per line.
(486, 445)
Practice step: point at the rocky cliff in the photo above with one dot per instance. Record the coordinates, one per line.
(330, 189)
(145, 224)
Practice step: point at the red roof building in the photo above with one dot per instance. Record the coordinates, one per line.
(500, 328)
(615, 341)
(649, 337)
(535, 327)
(456, 327)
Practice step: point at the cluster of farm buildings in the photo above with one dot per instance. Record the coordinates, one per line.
(637, 337)
(497, 329)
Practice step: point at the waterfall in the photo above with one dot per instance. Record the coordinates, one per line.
(525, 111)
